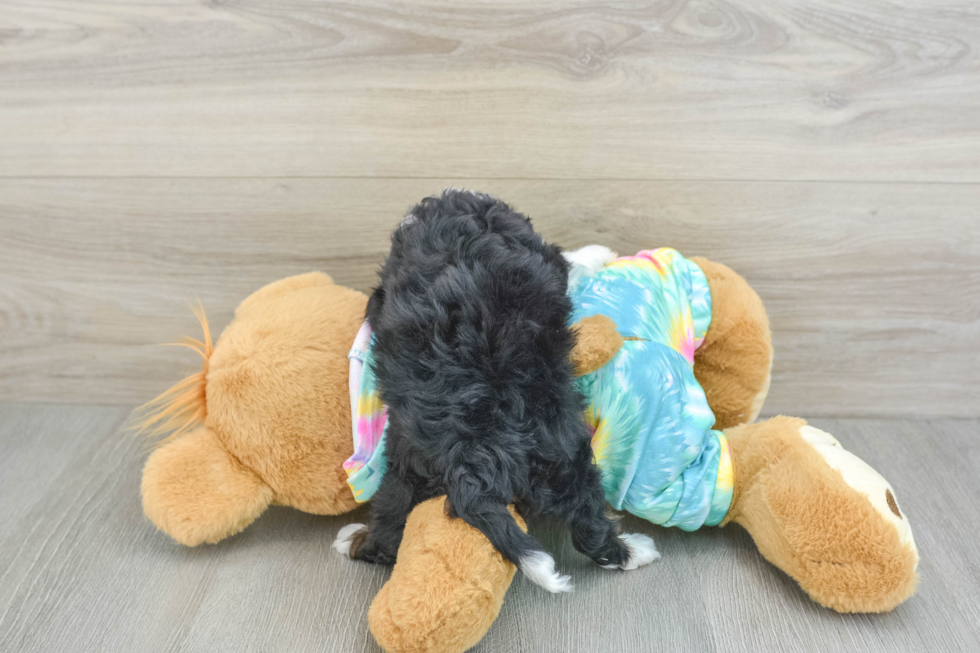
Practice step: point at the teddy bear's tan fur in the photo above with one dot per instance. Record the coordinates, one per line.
(734, 362)
(786, 497)
(276, 418)
(271, 422)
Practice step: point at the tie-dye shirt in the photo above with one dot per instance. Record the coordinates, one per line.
(651, 422)
(652, 434)
(369, 418)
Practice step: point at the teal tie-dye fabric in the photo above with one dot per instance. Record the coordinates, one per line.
(652, 434)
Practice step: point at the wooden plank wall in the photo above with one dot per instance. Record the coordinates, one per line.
(829, 152)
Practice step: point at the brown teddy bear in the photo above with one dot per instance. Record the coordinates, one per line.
(268, 421)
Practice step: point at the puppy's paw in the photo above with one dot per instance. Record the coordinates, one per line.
(346, 537)
(641, 549)
(539, 567)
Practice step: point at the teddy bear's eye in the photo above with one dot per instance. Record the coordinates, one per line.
(892, 504)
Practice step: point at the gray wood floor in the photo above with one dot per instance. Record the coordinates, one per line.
(82, 570)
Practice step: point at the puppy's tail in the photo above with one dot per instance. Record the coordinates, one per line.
(492, 518)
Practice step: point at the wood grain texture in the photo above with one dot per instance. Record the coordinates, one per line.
(678, 89)
(873, 289)
(82, 570)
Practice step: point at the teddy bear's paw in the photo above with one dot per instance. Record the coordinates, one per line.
(539, 567)
(642, 551)
(346, 536)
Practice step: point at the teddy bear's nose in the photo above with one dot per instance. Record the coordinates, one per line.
(892, 504)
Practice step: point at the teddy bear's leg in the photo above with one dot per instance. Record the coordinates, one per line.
(822, 515)
(733, 363)
(447, 586)
(196, 492)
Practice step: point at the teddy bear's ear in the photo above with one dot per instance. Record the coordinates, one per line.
(195, 491)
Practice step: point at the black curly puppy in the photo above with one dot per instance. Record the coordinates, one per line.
(472, 360)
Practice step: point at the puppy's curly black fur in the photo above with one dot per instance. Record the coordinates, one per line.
(472, 359)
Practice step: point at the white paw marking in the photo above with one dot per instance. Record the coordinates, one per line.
(344, 537)
(642, 550)
(539, 567)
